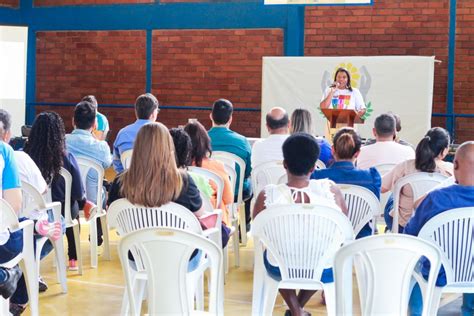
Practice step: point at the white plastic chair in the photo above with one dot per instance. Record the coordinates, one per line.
(26, 259)
(210, 175)
(126, 158)
(420, 183)
(165, 254)
(453, 233)
(34, 201)
(266, 173)
(362, 204)
(384, 265)
(303, 239)
(385, 168)
(232, 160)
(85, 166)
(320, 165)
(127, 218)
(71, 222)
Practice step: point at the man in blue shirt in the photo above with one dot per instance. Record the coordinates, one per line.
(146, 111)
(224, 139)
(438, 201)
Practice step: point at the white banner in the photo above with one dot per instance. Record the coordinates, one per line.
(401, 84)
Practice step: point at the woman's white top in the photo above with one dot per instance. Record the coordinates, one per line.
(316, 191)
(345, 99)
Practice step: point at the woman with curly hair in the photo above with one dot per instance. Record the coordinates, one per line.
(46, 146)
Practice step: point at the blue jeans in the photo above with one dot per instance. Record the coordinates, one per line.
(10, 250)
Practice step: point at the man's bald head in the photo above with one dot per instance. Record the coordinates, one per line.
(277, 121)
(464, 164)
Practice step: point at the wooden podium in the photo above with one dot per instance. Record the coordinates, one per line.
(338, 118)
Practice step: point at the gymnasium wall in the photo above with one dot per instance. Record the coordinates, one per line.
(195, 67)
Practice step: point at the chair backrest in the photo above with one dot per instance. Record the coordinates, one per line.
(233, 161)
(453, 233)
(384, 266)
(166, 254)
(301, 237)
(266, 173)
(126, 158)
(127, 217)
(211, 176)
(320, 164)
(67, 196)
(86, 166)
(420, 183)
(362, 204)
(385, 168)
(8, 217)
(31, 200)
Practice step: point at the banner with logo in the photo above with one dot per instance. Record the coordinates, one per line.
(400, 84)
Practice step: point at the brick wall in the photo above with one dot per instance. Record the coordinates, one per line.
(109, 65)
(464, 69)
(196, 67)
(10, 3)
(187, 71)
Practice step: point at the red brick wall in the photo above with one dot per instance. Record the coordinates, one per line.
(412, 27)
(196, 67)
(10, 3)
(190, 68)
(464, 69)
(42, 3)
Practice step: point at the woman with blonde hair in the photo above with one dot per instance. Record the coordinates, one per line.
(301, 122)
(153, 178)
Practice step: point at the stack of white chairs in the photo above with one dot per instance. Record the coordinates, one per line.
(212, 176)
(238, 216)
(420, 183)
(452, 232)
(26, 259)
(362, 204)
(384, 266)
(164, 257)
(33, 201)
(85, 166)
(303, 239)
(127, 218)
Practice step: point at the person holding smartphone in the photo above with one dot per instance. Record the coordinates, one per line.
(341, 95)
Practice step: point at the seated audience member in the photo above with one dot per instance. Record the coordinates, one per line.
(398, 128)
(346, 147)
(430, 153)
(269, 149)
(300, 152)
(156, 180)
(12, 283)
(27, 168)
(11, 244)
(146, 111)
(225, 139)
(82, 144)
(301, 122)
(460, 194)
(46, 146)
(385, 150)
(200, 152)
(183, 147)
(102, 128)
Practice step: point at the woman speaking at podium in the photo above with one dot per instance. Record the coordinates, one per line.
(340, 95)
